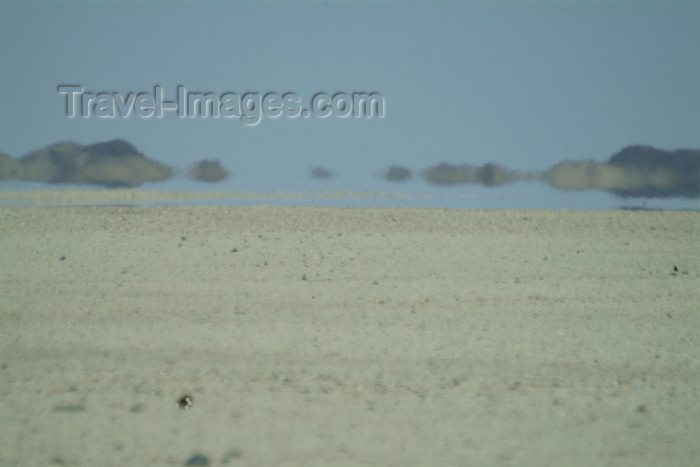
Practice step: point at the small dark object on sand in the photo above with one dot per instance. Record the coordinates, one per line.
(198, 459)
(185, 402)
(69, 408)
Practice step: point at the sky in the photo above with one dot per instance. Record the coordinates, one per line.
(524, 85)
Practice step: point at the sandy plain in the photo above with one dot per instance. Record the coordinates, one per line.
(348, 336)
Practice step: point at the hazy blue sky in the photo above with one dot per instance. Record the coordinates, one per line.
(522, 84)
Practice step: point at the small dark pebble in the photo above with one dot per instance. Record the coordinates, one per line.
(185, 402)
(198, 459)
(69, 408)
(641, 409)
(675, 268)
(183, 238)
(62, 258)
(235, 250)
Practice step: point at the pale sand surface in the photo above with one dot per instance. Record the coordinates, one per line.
(321, 336)
(132, 196)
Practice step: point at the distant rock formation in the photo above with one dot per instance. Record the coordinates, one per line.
(635, 171)
(9, 168)
(114, 163)
(452, 174)
(321, 173)
(209, 171)
(396, 173)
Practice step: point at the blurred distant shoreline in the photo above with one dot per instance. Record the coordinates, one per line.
(636, 171)
(330, 198)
